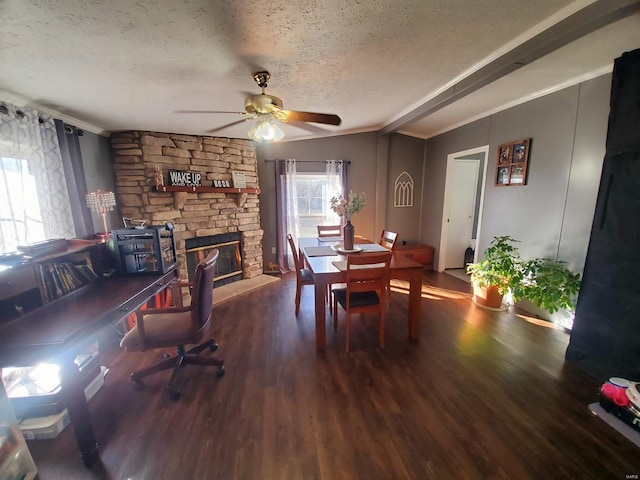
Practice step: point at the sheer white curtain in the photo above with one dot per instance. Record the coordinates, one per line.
(291, 195)
(291, 208)
(334, 184)
(34, 203)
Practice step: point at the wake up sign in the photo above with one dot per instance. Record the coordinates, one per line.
(179, 178)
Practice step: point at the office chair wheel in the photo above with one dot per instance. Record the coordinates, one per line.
(213, 347)
(220, 371)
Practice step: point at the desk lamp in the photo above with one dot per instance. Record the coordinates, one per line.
(101, 202)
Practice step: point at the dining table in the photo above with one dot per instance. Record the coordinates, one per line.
(326, 261)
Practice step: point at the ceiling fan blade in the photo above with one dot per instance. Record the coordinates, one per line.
(308, 127)
(207, 111)
(328, 118)
(227, 125)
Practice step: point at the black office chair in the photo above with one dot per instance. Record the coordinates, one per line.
(176, 327)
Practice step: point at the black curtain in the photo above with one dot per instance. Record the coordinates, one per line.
(74, 176)
(605, 340)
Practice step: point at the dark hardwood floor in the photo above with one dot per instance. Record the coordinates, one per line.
(483, 395)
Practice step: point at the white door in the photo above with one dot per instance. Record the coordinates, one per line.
(464, 185)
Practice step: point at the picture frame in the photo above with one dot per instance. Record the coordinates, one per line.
(512, 163)
(239, 179)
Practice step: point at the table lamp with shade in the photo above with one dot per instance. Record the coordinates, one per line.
(101, 202)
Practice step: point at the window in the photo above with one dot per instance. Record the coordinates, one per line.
(20, 217)
(34, 199)
(313, 203)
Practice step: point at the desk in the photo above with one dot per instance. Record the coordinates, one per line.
(58, 331)
(325, 273)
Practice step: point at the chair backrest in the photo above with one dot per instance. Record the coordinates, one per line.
(368, 271)
(294, 251)
(329, 230)
(388, 239)
(202, 292)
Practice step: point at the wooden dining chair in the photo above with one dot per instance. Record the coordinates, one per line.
(329, 231)
(366, 291)
(388, 239)
(303, 275)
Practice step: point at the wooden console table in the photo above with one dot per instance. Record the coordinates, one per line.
(58, 331)
(417, 252)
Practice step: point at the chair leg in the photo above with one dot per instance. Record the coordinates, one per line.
(210, 344)
(298, 294)
(178, 361)
(174, 393)
(335, 315)
(165, 364)
(212, 362)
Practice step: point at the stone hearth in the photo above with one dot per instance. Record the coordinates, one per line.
(137, 155)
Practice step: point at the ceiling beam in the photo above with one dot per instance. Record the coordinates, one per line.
(575, 26)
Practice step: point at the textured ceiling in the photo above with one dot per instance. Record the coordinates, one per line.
(126, 64)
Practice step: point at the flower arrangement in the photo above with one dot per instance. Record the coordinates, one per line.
(346, 208)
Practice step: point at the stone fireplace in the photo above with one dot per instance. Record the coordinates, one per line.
(138, 156)
(229, 264)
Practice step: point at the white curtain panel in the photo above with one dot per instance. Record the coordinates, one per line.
(334, 182)
(292, 205)
(29, 147)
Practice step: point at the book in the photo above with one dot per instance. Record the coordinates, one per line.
(46, 283)
(73, 275)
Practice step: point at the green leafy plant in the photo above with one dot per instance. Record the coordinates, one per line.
(501, 266)
(549, 284)
(348, 207)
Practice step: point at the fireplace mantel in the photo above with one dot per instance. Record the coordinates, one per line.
(239, 198)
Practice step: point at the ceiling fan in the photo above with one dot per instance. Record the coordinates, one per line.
(267, 109)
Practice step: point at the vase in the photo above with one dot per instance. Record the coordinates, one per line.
(349, 233)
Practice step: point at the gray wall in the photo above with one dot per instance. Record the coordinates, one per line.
(99, 174)
(406, 154)
(552, 214)
(361, 149)
(470, 136)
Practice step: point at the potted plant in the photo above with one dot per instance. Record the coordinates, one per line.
(499, 272)
(549, 284)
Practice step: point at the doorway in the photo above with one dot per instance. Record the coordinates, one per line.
(462, 208)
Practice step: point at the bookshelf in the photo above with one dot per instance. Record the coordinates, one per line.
(44, 279)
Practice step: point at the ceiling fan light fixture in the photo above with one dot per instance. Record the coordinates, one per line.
(265, 131)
